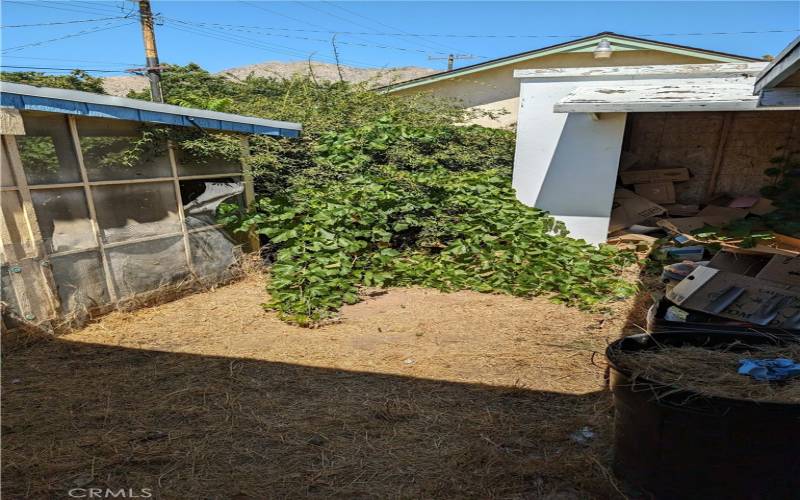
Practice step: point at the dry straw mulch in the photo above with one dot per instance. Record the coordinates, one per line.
(415, 394)
(714, 372)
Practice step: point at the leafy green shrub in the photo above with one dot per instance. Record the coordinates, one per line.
(436, 228)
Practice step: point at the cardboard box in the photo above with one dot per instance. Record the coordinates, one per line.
(781, 269)
(682, 210)
(657, 192)
(727, 214)
(739, 263)
(685, 225)
(753, 300)
(744, 201)
(763, 207)
(655, 175)
(629, 209)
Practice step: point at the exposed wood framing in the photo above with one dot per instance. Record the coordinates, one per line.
(173, 163)
(29, 274)
(249, 191)
(719, 155)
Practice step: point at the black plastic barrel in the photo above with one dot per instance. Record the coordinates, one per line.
(671, 443)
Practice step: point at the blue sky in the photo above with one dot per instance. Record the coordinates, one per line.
(219, 35)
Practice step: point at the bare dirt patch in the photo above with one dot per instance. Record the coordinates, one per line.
(414, 394)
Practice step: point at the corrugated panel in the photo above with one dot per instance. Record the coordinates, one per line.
(99, 110)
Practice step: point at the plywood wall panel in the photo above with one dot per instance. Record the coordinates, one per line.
(755, 138)
(690, 139)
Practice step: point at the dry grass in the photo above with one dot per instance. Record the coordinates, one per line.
(415, 394)
(711, 372)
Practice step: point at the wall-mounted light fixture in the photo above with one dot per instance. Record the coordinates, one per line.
(603, 50)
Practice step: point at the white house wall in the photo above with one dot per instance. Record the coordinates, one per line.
(566, 163)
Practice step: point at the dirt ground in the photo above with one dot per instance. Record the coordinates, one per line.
(414, 394)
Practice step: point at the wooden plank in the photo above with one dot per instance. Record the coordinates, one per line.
(653, 71)
(782, 98)
(32, 232)
(719, 154)
(249, 191)
(11, 122)
(30, 277)
(664, 97)
(173, 163)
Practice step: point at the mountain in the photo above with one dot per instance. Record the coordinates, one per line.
(120, 85)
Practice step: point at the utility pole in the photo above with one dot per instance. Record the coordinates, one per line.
(451, 59)
(150, 51)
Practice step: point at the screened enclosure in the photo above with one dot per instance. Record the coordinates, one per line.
(93, 215)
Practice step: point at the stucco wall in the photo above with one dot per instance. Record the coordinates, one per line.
(496, 90)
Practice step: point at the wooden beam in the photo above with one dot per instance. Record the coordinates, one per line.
(173, 164)
(719, 155)
(696, 95)
(249, 191)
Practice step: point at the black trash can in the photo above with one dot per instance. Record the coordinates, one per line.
(671, 443)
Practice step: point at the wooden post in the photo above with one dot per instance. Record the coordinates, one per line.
(29, 273)
(719, 155)
(249, 191)
(150, 50)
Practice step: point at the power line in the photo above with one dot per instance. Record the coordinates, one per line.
(241, 40)
(277, 13)
(379, 22)
(295, 37)
(70, 60)
(355, 23)
(451, 35)
(72, 35)
(71, 8)
(230, 39)
(54, 23)
(65, 69)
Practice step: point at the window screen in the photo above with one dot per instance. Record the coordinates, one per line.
(63, 219)
(128, 211)
(118, 149)
(80, 281)
(47, 151)
(148, 265)
(191, 165)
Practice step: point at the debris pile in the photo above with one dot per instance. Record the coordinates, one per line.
(721, 264)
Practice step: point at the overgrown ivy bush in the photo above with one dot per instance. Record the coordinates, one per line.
(435, 228)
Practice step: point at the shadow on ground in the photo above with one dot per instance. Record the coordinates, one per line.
(81, 415)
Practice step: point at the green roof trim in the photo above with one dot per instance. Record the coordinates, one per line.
(585, 44)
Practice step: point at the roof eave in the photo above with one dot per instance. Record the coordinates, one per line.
(553, 49)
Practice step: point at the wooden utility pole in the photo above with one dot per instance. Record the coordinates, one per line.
(150, 51)
(451, 59)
